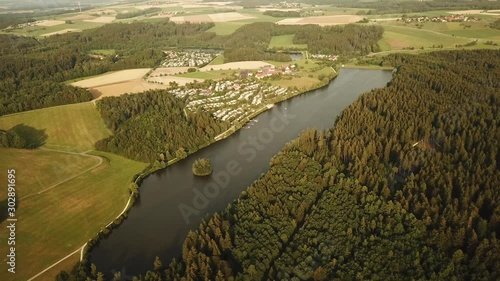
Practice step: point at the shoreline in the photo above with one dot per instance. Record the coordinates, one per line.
(152, 168)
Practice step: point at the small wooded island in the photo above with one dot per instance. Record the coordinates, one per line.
(202, 167)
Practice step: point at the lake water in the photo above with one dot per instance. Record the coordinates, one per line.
(155, 225)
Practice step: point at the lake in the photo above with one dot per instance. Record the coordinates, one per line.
(172, 200)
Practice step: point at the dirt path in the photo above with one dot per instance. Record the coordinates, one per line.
(99, 162)
(56, 263)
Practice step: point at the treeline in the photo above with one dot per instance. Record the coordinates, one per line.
(495, 24)
(153, 126)
(282, 14)
(250, 54)
(404, 188)
(340, 40)
(22, 136)
(398, 7)
(137, 13)
(11, 139)
(251, 42)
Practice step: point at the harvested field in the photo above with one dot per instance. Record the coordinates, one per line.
(61, 32)
(169, 71)
(118, 89)
(49, 22)
(225, 17)
(181, 81)
(112, 78)
(220, 17)
(290, 21)
(80, 17)
(276, 9)
(323, 20)
(193, 6)
(475, 12)
(196, 18)
(236, 65)
(102, 19)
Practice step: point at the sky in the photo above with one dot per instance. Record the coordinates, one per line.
(42, 4)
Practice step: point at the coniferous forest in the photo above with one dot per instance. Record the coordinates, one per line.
(404, 186)
(153, 126)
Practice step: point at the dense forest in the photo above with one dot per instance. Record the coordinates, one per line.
(404, 185)
(153, 126)
(250, 42)
(340, 40)
(282, 14)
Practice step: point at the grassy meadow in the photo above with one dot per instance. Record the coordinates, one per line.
(79, 196)
(74, 127)
(399, 37)
(285, 42)
(214, 75)
(225, 28)
(47, 222)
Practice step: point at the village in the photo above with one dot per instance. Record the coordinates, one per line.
(452, 18)
(269, 71)
(187, 58)
(230, 100)
(326, 57)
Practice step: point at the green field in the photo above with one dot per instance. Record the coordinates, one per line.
(398, 37)
(218, 60)
(37, 31)
(285, 42)
(80, 193)
(225, 28)
(471, 30)
(74, 127)
(308, 74)
(55, 223)
(48, 169)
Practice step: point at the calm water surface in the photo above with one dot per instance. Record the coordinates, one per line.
(156, 226)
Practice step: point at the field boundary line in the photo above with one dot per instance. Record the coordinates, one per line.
(82, 248)
(100, 160)
(56, 263)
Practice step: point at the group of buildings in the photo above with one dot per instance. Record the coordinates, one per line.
(191, 59)
(325, 57)
(270, 70)
(229, 100)
(452, 18)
